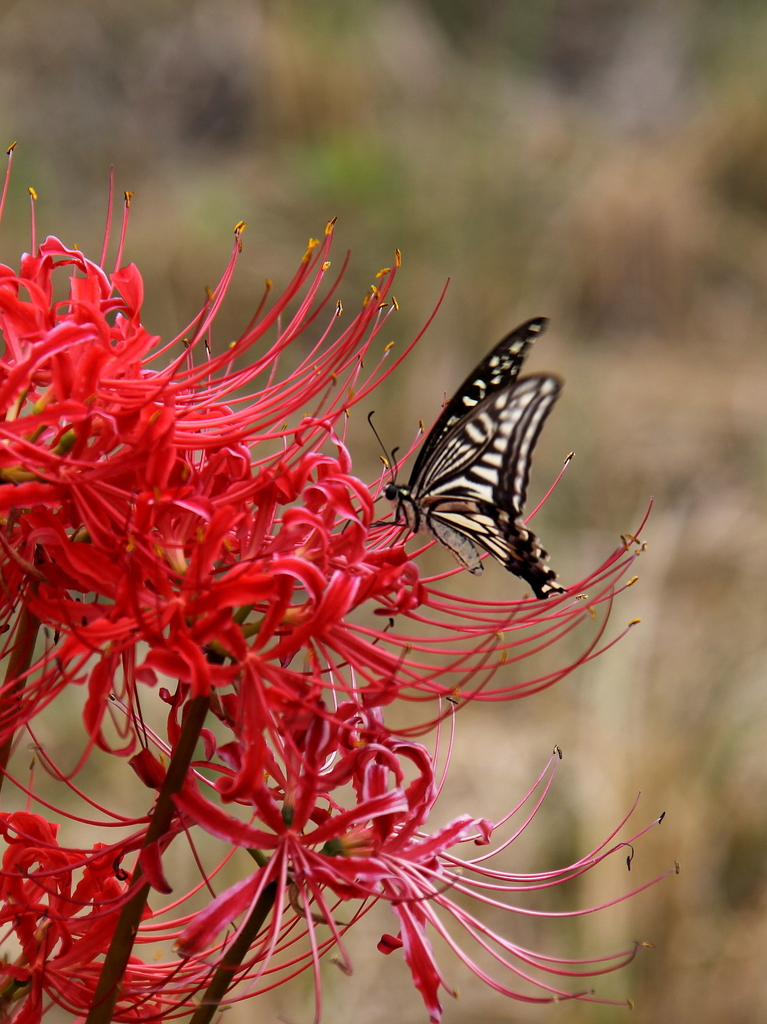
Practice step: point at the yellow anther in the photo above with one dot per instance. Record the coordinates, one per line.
(384, 460)
(339, 308)
(32, 192)
(397, 258)
(329, 226)
(312, 244)
(128, 196)
(389, 346)
(634, 622)
(632, 581)
(384, 272)
(421, 427)
(592, 613)
(394, 303)
(239, 227)
(11, 148)
(268, 284)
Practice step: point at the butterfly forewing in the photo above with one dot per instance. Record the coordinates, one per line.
(489, 450)
(498, 370)
(542, 393)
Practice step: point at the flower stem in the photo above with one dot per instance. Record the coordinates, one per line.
(20, 659)
(108, 988)
(233, 957)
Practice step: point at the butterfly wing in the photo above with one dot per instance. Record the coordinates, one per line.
(497, 371)
(474, 485)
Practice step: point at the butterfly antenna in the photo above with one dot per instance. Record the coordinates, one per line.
(394, 464)
(388, 460)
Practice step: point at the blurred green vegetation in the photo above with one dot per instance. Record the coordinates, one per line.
(600, 161)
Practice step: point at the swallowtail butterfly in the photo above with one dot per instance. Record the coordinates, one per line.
(469, 481)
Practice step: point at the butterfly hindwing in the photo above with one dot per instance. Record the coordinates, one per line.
(507, 540)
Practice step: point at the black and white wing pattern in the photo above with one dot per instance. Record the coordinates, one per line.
(469, 482)
(498, 370)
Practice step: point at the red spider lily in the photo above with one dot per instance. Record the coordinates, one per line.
(53, 902)
(323, 858)
(142, 509)
(376, 851)
(168, 511)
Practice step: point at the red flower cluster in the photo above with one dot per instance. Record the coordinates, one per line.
(169, 512)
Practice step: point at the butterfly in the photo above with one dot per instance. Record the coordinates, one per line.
(469, 482)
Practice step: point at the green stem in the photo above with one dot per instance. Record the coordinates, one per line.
(108, 987)
(233, 957)
(20, 659)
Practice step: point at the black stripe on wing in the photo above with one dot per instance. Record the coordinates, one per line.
(497, 371)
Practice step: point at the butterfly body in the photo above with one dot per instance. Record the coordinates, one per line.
(469, 482)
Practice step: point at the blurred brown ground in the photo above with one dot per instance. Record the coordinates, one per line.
(600, 161)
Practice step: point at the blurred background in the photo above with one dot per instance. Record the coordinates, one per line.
(603, 162)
